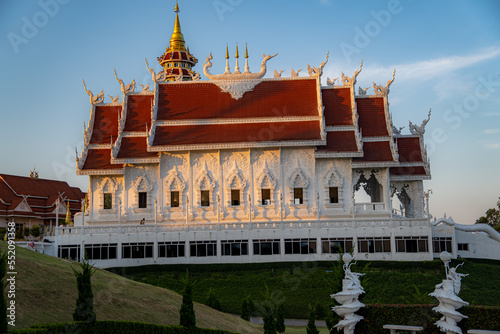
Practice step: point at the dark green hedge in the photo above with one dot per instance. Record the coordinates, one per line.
(112, 327)
(376, 316)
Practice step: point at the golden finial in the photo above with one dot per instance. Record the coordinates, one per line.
(237, 53)
(246, 50)
(227, 52)
(176, 7)
(177, 39)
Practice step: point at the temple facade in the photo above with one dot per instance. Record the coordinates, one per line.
(245, 168)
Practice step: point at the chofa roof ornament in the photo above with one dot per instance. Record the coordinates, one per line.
(420, 130)
(381, 91)
(236, 83)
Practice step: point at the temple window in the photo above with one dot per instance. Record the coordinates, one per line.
(374, 245)
(441, 244)
(174, 199)
(266, 196)
(108, 201)
(411, 244)
(205, 197)
(235, 197)
(334, 194)
(298, 196)
(143, 200)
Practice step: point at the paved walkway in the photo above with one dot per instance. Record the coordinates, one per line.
(290, 322)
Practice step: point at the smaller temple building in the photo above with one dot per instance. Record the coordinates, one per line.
(31, 201)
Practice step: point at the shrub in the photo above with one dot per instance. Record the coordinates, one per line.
(84, 310)
(311, 323)
(280, 319)
(187, 316)
(35, 231)
(212, 300)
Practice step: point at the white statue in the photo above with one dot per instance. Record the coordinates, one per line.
(420, 130)
(447, 294)
(348, 298)
(397, 131)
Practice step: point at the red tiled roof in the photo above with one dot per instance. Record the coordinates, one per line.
(340, 141)
(99, 159)
(40, 195)
(236, 133)
(409, 149)
(268, 99)
(138, 112)
(134, 147)
(376, 151)
(105, 124)
(337, 103)
(372, 120)
(418, 170)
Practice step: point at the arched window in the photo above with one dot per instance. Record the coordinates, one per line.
(107, 190)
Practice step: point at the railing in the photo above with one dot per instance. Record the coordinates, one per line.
(236, 226)
(369, 207)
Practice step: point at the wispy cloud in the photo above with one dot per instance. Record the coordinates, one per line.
(490, 131)
(494, 146)
(427, 69)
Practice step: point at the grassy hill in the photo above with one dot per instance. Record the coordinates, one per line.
(298, 284)
(46, 293)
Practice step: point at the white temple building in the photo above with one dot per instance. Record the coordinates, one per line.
(241, 168)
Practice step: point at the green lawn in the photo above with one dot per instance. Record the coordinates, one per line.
(296, 284)
(46, 293)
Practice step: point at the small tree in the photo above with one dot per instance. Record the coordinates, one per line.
(212, 300)
(35, 231)
(3, 302)
(311, 324)
(268, 318)
(84, 310)
(280, 319)
(320, 311)
(187, 316)
(246, 308)
(492, 217)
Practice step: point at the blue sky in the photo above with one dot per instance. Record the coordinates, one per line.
(446, 55)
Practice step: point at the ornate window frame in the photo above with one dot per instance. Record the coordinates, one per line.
(266, 180)
(298, 179)
(174, 182)
(235, 181)
(334, 179)
(205, 181)
(107, 185)
(142, 184)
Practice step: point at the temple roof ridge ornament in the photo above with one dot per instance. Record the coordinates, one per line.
(351, 81)
(97, 99)
(420, 130)
(384, 91)
(126, 89)
(236, 83)
(317, 71)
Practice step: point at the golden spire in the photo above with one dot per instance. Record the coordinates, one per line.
(246, 50)
(237, 54)
(177, 40)
(227, 52)
(68, 216)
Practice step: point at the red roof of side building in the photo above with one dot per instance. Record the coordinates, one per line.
(270, 98)
(40, 194)
(203, 134)
(372, 120)
(409, 149)
(105, 124)
(138, 112)
(339, 141)
(337, 103)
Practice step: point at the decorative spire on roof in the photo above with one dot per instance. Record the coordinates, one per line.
(177, 60)
(352, 81)
(33, 173)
